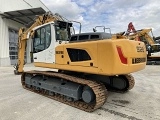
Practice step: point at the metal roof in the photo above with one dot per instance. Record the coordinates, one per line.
(25, 16)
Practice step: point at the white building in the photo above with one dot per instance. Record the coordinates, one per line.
(13, 15)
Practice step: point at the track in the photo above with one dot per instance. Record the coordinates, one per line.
(98, 89)
(131, 81)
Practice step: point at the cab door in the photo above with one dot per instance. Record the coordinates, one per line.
(42, 43)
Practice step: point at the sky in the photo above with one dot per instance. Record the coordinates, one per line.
(113, 14)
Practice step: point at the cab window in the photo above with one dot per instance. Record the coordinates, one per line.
(61, 33)
(42, 39)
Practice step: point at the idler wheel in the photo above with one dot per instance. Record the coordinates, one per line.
(88, 95)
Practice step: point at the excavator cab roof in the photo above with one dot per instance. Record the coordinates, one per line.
(90, 36)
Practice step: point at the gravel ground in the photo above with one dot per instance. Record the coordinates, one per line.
(141, 103)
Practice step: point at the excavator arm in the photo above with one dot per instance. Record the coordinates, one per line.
(139, 35)
(147, 37)
(25, 34)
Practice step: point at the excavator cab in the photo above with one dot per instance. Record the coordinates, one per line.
(47, 37)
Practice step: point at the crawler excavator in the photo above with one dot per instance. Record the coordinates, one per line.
(88, 63)
(146, 36)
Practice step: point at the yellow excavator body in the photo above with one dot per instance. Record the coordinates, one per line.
(107, 57)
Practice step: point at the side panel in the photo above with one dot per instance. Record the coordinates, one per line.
(63, 54)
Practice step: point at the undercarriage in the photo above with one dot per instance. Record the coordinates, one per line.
(83, 91)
